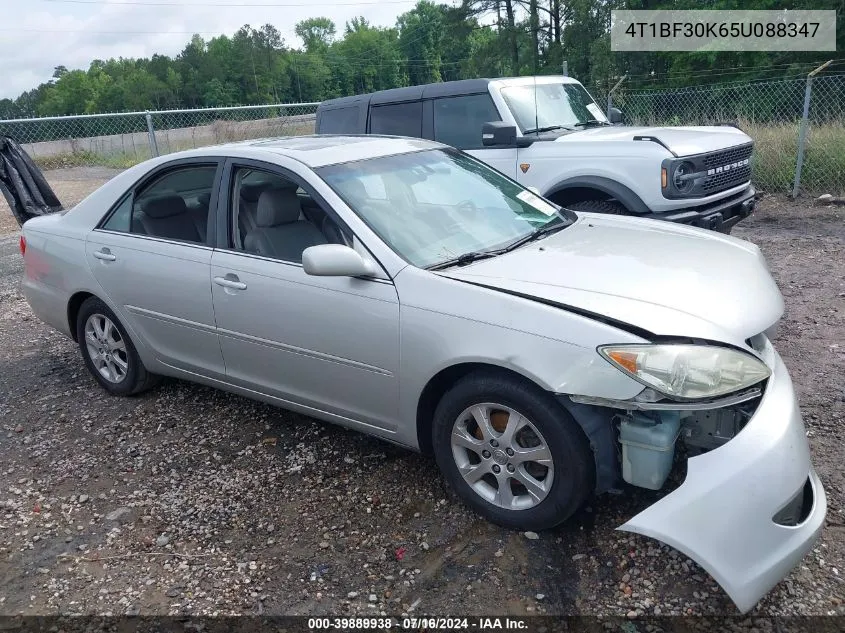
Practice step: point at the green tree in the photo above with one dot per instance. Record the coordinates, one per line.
(317, 34)
(420, 34)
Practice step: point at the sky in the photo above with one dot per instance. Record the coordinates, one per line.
(38, 35)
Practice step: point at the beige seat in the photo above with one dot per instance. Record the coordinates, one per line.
(279, 232)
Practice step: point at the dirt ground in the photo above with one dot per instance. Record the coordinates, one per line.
(188, 500)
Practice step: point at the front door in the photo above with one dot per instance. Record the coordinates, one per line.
(458, 122)
(327, 343)
(152, 259)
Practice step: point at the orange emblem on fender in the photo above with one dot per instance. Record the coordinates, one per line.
(524, 167)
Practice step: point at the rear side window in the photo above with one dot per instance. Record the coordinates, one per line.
(458, 120)
(121, 217)
(339, 121)
(399, 119)
(174, 206)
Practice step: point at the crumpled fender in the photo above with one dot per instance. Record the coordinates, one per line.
(722, 515)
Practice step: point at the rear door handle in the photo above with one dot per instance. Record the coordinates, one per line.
(230, 282)
(104, 254)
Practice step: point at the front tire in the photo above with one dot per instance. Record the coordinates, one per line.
(512, 452)
(108, 352)
(610, 207)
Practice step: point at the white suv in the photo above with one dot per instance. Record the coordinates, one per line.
(549, 134)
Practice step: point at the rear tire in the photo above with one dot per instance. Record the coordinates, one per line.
(529, 468)
(611, 207)
(108, 352)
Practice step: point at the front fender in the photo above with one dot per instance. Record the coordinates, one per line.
(623, 194)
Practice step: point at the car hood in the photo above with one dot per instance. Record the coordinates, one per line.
(665, 279)
(683, 141)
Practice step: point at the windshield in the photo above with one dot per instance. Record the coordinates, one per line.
(434, 206)
(557, 105)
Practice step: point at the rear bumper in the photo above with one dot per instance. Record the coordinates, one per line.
(722, 515)
(718, 216)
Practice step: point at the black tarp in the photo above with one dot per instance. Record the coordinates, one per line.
(22, 183)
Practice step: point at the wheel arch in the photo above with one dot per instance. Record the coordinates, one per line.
(577, 189)
(73, 305)
(440, 383)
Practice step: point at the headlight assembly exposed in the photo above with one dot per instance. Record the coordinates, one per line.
(687, 372)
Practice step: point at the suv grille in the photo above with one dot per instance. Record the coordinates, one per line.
(727, 168)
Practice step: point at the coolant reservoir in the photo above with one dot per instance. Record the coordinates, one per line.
(648, 447)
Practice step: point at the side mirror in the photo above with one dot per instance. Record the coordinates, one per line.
(501, 134)
(334, 260)
(614, 115)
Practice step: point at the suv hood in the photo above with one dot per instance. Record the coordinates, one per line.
(683, 141)
(663, 278)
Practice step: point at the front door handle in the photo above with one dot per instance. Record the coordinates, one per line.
(230, 281)
(104, 254)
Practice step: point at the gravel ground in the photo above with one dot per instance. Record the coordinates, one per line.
(188, 500)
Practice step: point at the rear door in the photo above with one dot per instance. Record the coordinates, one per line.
(458, 122)
(152, 256)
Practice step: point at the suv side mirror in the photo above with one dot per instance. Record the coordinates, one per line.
(614, 115)
(334, 260)
(501, 134)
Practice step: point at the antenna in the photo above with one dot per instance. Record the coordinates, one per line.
(536, 108)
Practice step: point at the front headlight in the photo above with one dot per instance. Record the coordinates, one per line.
(687, 372)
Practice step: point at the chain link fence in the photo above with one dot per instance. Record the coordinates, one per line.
(771, 112)
(126, 138)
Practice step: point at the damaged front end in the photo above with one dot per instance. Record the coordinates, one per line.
(750, 505)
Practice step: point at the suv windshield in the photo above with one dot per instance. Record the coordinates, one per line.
(436, 206)
(558, 105)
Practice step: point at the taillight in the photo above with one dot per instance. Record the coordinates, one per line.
(23, 245)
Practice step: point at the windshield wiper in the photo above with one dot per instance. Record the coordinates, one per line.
(463, 260)
(548, 128)
(549, 227)
(592, 123)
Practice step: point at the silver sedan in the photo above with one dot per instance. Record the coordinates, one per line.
(404, 289)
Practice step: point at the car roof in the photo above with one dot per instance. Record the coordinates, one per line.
(319, 150)
(441, 89)
(414, 93)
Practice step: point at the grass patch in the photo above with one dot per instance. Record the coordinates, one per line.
(776, 154)
(85, 158)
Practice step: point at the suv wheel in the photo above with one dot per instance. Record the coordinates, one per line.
(512, 452)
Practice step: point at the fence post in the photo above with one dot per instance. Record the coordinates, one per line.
(610, 94)
(152, 134)
(802, 132)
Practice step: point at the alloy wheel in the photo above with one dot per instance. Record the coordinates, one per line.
(502, 456)
(106, 348)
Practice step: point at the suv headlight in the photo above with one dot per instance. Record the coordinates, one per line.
(687, 372)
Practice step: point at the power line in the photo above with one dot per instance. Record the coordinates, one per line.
(738, 71)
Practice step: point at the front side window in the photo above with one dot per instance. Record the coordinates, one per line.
(552, 106)
(398, 119)
(175, 205)
(458, 120)
(439, 205)
(274, 217)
